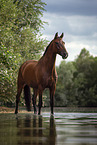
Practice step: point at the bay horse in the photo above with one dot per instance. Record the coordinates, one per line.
(40, 75)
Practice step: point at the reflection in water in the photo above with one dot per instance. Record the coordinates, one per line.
(35, 131)
(71, 129)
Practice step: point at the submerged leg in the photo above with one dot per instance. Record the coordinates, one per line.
(34, 100)
(40, 103)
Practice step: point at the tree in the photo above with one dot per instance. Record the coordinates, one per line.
(84, 79)
(77, 82)
(18, 30)
(65, 80)
(20, 40)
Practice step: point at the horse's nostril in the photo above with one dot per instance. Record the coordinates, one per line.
(66, 55)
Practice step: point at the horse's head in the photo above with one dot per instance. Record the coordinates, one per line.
(59, 46)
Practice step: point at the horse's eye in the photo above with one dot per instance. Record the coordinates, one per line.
(57, 43)
(58, 46)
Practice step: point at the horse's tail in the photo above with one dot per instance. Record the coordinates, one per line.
(27, 96)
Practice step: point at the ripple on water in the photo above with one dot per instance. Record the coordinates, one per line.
(60, 129)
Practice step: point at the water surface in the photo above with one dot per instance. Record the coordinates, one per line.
(60, 129)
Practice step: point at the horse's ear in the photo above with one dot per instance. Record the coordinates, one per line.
(62, 35)
(56, 35)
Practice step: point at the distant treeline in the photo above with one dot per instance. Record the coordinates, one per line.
(77, 82)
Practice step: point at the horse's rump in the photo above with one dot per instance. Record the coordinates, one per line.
(26, 71)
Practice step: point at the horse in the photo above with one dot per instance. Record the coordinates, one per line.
(40, 74)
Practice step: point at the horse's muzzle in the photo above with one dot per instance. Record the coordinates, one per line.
(64, 55)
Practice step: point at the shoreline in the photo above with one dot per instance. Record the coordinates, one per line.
(56, 109)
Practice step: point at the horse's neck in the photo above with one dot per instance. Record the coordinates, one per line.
(49, 60)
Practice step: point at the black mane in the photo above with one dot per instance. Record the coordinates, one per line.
(47, 48)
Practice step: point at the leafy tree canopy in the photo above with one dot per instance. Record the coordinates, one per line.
(77, 82)
(20, 40)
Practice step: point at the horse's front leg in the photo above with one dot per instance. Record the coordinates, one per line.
(52, 93)
(40, 102)
(35, 91)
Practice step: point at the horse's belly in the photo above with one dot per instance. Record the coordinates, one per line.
(31, 81)
(30, 77)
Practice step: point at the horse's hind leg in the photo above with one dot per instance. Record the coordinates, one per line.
(40, 103)
(18, 99)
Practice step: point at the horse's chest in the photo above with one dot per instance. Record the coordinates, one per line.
(44, 79)
(47, 81)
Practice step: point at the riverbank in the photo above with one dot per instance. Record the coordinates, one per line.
(6, 110)
(56, 109)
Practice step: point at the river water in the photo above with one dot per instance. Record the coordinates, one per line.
(60, 129)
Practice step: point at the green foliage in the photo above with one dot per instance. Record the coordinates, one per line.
(20, 40)
(63, 89)
(77, 82)
(17, 28)
(8, 67)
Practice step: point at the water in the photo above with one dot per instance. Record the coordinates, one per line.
(62, 129)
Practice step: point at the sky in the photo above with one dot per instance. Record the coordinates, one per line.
(77, 19)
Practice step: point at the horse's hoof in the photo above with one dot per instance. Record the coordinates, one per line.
(29, 110)
(39, 113)
(52, 115)
(16, 112)
(35, 113)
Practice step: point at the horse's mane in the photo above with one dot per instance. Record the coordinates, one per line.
(47, 48)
